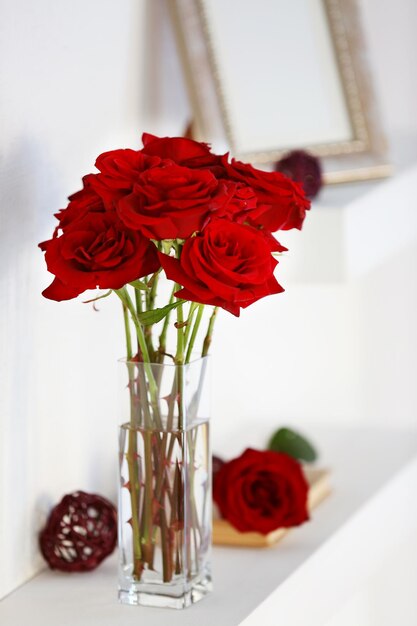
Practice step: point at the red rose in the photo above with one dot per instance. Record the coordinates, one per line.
(239, 206)
(261, 491)
(171, 202)
(97, 251)
(82, 202)
(183, 151)
(281, 202)
(119, 172)
(227, 265)
(240, 201)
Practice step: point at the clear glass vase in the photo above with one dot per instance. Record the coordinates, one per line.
(165, 505)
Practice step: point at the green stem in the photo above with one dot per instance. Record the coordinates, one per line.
(132, 465)
(209, 335)
(193, 308)
(195, 526)
(147, 294)
(139, 306)
(147, 546)
(138, 300)
(131, 458)
(130, 368)
(125, 298)
(153, 387)
(163, 336)
(194, 333)
(166, 539)
(179, 357)
(148, 329)
(154, 287)
(153, 282)
(179, 362)
(127, 333)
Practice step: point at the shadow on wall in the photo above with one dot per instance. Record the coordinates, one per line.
(165, 105)
(29, 185)
(58, 362)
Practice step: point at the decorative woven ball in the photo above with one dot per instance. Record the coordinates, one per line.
(80, 532)
(304, 168)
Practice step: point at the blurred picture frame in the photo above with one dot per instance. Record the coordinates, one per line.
(268, 76)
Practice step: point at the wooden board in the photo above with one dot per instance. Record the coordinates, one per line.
(225, 535)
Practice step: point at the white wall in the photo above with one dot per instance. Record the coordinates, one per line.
(390, 33)
(340, 345)
(78, 78)
(72, 86)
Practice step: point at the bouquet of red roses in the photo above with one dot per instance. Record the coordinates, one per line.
(206, 221)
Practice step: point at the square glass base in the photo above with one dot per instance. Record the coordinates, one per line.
(169, 596)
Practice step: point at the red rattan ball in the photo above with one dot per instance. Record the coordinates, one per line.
(216, 464)
(304, 168)
(80, 532)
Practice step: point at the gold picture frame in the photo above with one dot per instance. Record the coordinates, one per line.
(362, 156)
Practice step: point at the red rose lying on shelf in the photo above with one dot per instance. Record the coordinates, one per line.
(261, 491)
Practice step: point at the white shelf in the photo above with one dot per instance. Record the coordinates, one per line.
(301, 581)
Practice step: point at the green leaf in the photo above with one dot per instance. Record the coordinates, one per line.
(156, 315)
(105, 295)
(138, 284)
(293, 444)
(166, 245)
(153, 278)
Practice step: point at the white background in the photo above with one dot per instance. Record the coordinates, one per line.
(78, 78)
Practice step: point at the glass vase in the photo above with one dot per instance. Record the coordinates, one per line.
(165, 505)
